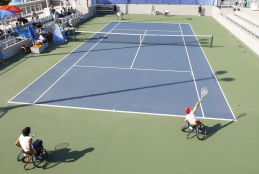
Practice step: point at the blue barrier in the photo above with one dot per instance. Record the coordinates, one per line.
(189, 2)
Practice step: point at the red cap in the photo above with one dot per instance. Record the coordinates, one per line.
(187, 110)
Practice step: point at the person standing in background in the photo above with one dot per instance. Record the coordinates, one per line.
(199, 10)
(114, 8)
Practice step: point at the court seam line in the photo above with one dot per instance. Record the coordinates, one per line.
(191, 70)
(50, 68)
(125, 112)
(138, 49)
(148, 30)
(71, 67)
(215, 76)
(131, 68)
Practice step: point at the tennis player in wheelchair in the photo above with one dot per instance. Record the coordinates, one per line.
(25, 142)
(190, 117)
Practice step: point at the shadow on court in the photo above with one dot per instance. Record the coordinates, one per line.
(218, 73)
(63, 154)
(4, 110)
(120, 91)
(19, 58)
(210, 131)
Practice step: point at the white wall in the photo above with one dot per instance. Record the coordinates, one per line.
(14, 49)
(249, 39)
(160, 8)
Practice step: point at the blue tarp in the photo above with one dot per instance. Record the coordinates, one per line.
(190, 2)
(23, 33)
(6, 13)
(31, 34)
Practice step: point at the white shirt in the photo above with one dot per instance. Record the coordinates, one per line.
(119, 13)
(24, 142)
(32, 21)
(191, 118)
(167, 10)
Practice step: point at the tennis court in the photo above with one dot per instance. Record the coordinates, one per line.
(133, 67)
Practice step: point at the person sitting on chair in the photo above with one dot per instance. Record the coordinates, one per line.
(166, 12)
(119, 14)
(25, 142)
(190, 117)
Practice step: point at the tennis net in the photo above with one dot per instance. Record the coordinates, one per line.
(144, 39)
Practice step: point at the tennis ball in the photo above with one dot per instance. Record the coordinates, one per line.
(192, 74)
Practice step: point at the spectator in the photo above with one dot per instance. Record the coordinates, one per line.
(33, 21)
(1, 32)
(119, 14)
(67, 11)
(51, 6)
(115, 8)
(73, 15)
(199, 10)
(61, 4)
(56, 15)
(33, 14)
(19, 18)
(61, 14)
(166, 12)
(67, 3)
(235, 8)
(20, 25)
(40, 26)
(153, 10)
(71, 10)
(16, 26)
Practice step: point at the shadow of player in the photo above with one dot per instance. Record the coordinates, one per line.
(65, 155)
(210, 131)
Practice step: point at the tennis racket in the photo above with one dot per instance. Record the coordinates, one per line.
(204, 91)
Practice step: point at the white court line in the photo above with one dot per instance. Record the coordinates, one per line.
(215, 76)
(71, 67)
(130, 68)
(151, 22)
(50, 68)
(138, 48)
(125, 112)
(191, 70)
(148, 30)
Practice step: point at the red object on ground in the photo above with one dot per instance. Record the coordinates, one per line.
(11, 8)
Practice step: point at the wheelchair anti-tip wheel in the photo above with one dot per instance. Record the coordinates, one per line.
(200, 131)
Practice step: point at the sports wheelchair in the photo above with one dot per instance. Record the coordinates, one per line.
(199, 129)
(39, 163)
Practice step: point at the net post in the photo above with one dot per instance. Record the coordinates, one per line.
(211, 41)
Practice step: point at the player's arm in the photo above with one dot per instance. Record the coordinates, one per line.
(185, 120)
(196, 106)
(17, 143)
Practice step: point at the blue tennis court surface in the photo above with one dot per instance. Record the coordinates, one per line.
(134, 78)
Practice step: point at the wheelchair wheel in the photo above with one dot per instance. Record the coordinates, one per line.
(184, 126)
(20, 156)
(22, 50)
(200, 131)
(39, 163)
